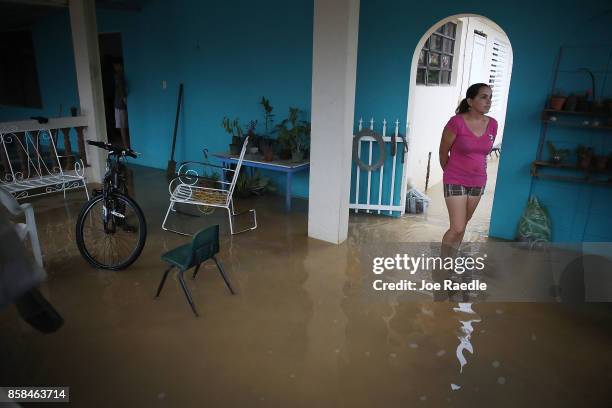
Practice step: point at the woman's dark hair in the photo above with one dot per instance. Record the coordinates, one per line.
(470, 94)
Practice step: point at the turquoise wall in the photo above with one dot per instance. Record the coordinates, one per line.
(229, 54)
(388, 35)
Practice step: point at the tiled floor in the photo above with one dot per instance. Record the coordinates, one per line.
(299, 332)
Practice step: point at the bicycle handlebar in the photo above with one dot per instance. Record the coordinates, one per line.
(114, 148)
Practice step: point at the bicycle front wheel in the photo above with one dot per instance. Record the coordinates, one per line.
(111, 231)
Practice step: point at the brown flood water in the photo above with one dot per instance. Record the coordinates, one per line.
(298, 333)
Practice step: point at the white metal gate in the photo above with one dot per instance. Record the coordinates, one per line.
(382, 190)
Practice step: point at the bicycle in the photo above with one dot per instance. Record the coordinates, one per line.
(111, 229)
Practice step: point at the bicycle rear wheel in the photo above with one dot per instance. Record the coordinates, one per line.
(111, 231)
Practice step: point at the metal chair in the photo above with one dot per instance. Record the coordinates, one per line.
(192, 187)
(204, 246)
(27, 230)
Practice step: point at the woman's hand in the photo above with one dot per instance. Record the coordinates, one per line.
(448, 138)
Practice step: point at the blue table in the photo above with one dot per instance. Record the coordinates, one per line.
(256, 161)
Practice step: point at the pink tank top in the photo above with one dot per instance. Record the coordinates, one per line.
(467, 164)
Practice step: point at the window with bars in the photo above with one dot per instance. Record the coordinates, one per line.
(435, 65)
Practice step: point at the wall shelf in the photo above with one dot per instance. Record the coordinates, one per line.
(588, 176)
(577, 125)
(572, 119)
(591, 122)
(549, 112)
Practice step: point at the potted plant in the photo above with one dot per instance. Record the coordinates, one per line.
(557, 100)
(571, 103)
(585, 156)
(210, 180)
(234, 129)
(255, 184)
(266, 146)
(601, 162)
(582, 102)
(294, 135)
(266, 143)
(252, 137)
(556, 155)
(268, 115)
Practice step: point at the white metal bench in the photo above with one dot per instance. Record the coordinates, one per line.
(192, 186)
(31, 165)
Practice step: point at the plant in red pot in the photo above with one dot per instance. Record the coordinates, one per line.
(557, 100)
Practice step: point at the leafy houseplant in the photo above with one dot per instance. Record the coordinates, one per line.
(265, 142)
(294, 135)
(234, 129)
(268, 115)
(557, 155)
(210, 180)
(248, 185)
(252, 137)
(266, 147)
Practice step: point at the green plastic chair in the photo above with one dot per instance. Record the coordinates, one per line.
(204, 246)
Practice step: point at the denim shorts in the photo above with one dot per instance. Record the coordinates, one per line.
(459, 190)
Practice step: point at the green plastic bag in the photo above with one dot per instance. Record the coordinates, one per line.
(534, 225)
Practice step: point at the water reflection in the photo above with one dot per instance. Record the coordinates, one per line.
(465, 333)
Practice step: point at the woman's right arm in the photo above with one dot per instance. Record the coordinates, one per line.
(448, 138)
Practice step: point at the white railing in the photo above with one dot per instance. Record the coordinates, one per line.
(380, 200)
(35, 161)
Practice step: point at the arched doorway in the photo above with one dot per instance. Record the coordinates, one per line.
(453, 54)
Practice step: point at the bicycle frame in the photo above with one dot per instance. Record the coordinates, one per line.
(114, 182)
(114, 178)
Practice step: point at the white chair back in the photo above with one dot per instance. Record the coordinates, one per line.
(238, 166)
(23, 230)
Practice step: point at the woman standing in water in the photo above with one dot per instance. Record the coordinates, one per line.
(466, 141)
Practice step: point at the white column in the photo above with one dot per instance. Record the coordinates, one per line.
(89, 79)
(334, 65)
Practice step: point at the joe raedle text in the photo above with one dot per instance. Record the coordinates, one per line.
(446, 284)
(405, 264)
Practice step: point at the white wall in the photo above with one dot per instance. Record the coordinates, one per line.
(494, 34)
(430, 107)
(334, 68)
(434, 106)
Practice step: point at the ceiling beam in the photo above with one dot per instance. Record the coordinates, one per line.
(45, 3)
(105, 4)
